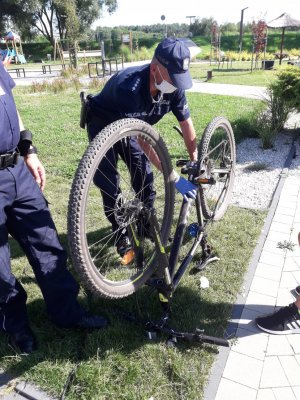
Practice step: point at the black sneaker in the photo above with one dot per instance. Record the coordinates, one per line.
(297, 290)
(123, 245)
(285, 321)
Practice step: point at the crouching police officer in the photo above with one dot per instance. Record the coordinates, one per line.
(24, 214)
(146, 92)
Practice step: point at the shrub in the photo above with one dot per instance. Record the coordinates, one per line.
(272, 120)
(294, 53)
(145, 54)
(287, 86)
(245, 126)
(283, 97)
(125, 51)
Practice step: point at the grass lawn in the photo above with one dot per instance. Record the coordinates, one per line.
(237, 73)
(120, 362)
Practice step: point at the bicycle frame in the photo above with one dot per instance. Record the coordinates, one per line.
(168, 275)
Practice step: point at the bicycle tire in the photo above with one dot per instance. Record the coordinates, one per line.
(88, 227)
(215, 197)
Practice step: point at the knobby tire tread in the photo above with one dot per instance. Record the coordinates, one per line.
(79, 254)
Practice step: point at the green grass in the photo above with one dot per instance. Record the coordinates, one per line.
(120, 362)
(237, 73)
(230, 41)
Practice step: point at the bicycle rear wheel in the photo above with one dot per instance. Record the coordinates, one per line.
(217, 155)
(91, 239)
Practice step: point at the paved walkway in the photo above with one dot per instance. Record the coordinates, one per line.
(260, 366)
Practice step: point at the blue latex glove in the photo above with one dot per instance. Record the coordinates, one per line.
(186, 188)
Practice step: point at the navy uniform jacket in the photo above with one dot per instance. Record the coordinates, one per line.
(25, 215)
(127, 95)
(9, 122)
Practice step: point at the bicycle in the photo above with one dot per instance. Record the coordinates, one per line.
(92, 243)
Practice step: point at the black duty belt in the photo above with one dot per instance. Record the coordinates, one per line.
(9, 159)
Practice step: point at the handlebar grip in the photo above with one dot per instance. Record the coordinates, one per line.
(214, 340)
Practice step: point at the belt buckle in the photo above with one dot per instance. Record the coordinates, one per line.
(2, 161)
(8, 159)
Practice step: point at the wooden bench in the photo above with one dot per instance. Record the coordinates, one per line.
(17, 71)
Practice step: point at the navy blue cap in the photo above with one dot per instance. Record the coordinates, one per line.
(175, 56)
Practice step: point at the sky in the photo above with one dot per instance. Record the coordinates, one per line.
(148, 12)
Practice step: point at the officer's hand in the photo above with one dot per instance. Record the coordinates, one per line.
(37, 170)
(186, 188)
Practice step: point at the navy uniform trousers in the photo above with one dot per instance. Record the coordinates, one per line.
(25, 215)
(107, 178)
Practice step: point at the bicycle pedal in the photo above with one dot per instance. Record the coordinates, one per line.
(128, 257)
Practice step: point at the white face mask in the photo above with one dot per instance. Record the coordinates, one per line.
(164, 86)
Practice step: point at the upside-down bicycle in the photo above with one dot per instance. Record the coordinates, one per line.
(92, 243)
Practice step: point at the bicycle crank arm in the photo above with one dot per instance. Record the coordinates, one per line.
(203, 263)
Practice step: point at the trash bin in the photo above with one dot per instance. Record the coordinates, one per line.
(209, 75)
(267, 64)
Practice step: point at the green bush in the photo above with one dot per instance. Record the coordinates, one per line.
(283, 97)
(287, 86)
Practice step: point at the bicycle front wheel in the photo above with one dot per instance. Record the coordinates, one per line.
(217, 155)
(115, 183)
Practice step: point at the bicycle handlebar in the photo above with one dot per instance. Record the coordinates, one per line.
(198, 336)
(214, 340)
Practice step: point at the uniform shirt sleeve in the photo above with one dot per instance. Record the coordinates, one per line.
(179, 106)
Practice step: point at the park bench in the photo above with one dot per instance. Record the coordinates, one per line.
(17, 71)
(104, 66)
(224, 60)
(53, 67)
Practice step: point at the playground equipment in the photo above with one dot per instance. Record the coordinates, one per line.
(13, 48)
(58, 51)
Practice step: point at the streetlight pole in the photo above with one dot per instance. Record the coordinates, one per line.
(163, 17)
(241, 29)
(190, 17)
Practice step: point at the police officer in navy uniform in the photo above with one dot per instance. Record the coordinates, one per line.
(145, 92)
(25, 216)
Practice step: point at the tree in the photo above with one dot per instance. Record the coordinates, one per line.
(259, 30)
(49, 17)
(202, 27)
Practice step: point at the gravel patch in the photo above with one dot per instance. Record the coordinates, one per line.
(258, 171)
